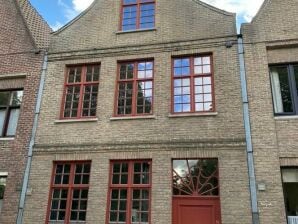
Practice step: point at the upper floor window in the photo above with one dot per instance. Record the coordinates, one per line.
(129, 192)
(192, 84)
(284, 83)
(10, 103)
(80, 93)
(2, 189)
(134, 89)
(69, 193)
(137, 14)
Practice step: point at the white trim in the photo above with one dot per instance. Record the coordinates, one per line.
(7, 139)
(193, 114)
(3, 174)
(75, 120)
(132, 118)
(288, 117)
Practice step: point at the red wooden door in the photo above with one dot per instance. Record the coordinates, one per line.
(196, 210)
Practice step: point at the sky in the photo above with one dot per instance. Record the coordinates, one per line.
(58, 12)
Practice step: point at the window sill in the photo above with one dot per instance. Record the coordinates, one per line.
(135, 31)
(132, 118)
(289, 117)
(75, 120)
(7, 139)
(193, 115)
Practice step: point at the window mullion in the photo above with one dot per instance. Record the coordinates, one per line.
(138, 15)
(293, 88)
(6, 121)
(129, 191)
(134, 90)
(69, 195)
(192, 86)
(82, 87)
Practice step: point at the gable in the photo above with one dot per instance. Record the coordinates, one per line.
(175, 20)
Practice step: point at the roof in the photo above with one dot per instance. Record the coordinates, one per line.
(37, 26)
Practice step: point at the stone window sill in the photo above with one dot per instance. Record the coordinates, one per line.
(7, 139)
(76, 120)
(193, 115)
(290, 117)
(136, 31)
(132, 118)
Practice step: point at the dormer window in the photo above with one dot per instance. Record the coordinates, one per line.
(137, 14)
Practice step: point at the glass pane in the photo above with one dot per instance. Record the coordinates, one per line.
(196, 176)
(296, 77)
(2, 189)
(4, 98)
(13, 122)
(2, 119)
(17, 98)
(281, 90)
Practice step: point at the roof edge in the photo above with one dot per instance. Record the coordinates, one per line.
(74, 19)
(213, 8)
(261, 9)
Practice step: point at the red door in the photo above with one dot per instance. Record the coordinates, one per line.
(196, 210)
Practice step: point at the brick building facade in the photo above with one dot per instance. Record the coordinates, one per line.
(141, 118)
(271, 57)
(23, 35)
(136, 92)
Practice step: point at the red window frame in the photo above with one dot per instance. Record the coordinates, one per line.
(138, 5)
(71, 188)
(135, 80)
(82, 84)
(192, 77)
(129, 187)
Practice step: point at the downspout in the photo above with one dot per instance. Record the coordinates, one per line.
(32, 140)
(249, 146)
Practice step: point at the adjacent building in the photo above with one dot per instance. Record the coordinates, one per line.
(23, 36)
(141, 119)
(271, 56)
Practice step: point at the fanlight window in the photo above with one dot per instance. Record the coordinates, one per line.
(196, 177)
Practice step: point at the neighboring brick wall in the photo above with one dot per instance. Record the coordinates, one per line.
(273, 39)
(19, 68)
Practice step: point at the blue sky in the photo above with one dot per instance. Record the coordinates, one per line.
(59, 12)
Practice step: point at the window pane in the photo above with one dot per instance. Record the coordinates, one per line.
(4, 98)
(281, 90)
(13, 122)
(296, 77)
(195, 177)
(2, 189)
(17, 98)
(2, 119)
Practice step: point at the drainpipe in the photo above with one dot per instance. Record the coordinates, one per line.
(32, 140)
(249, 147)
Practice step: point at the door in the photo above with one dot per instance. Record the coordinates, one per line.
(193, 210)
(196, 192)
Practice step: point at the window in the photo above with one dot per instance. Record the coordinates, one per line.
(284, 84)
(2, 189)
(10, 103)
(69, 193)
(195, 177)
(134, 89)
(138, 14)
(129, 194)
(290, 189)
(81, 88)
(192, 84)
